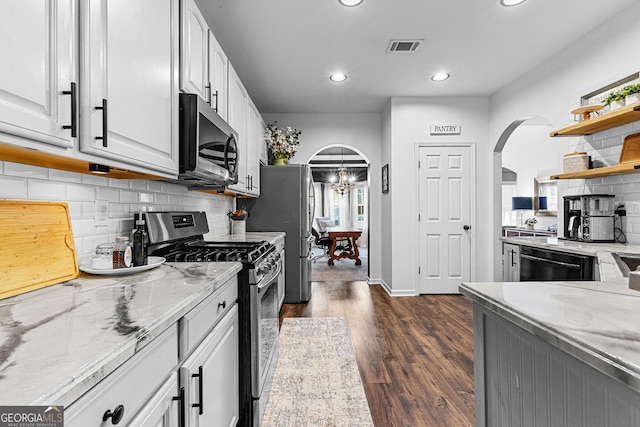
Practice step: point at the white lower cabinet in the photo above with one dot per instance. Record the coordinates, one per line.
(164, 408)
(510, 263)
(153, 388)
(123, 394)
(210, 377)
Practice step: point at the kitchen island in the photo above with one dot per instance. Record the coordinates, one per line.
(58, 342)
(556, 353)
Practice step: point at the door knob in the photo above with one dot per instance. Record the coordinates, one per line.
(467, 227)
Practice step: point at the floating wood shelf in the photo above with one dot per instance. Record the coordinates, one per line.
(629, 162)
(599, 172)
(619, 117)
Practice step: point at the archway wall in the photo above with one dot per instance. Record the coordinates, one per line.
(361, 132)
(554, 88)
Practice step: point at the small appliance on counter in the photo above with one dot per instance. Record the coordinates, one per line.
(589, 218)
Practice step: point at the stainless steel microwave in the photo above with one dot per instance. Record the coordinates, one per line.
(208, 146)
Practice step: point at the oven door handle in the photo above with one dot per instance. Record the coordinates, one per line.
(550, 261)
(266, 281)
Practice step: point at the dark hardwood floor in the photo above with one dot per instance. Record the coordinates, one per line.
(415, 354)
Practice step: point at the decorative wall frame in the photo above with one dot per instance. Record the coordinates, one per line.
(385, 179)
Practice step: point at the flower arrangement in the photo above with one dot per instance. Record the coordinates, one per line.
(283, 143)
(530, 222)
(238, 215)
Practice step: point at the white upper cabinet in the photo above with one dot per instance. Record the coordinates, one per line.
(255, 130)
(237, 119)
(39, 62)
(194, 39)
(203, 63)
(218, 65)
(129, 73)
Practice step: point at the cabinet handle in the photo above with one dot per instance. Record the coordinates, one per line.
(222, 304)
(208, 98)
(200, 405)
(105, 128)
(116, 415)
(181, 411)
(74, 110)
(216, 107)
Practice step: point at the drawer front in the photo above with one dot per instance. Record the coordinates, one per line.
(196, 324)
(131, 385)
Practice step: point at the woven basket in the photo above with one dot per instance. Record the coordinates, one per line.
(575, 162)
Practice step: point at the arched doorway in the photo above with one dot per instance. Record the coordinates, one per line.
(530, 154)
(348, 209)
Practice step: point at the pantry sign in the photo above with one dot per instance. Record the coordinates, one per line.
(446, 129)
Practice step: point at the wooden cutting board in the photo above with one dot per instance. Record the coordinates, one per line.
(36, 246)
(630, 149)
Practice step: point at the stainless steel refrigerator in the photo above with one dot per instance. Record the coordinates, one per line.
(286, 204)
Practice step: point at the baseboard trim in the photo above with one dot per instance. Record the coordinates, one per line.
(391, 292)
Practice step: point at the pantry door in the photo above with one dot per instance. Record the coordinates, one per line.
(445, 221)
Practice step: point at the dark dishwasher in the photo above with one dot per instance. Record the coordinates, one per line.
(547, 265)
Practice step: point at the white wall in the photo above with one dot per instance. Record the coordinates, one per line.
(605, 54)
(359, 131)
(124, 197)
(410, 120)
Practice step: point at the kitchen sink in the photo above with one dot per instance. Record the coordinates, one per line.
(626, 262)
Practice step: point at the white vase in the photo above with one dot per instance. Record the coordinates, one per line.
(616, 104)
(632, 99)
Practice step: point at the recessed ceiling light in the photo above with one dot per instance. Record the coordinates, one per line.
(508, 3)
(440, 77)
(338, 77)
(350, 3)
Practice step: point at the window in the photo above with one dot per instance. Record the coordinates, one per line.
(360, 207)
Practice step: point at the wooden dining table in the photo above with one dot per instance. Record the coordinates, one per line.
(343, 241)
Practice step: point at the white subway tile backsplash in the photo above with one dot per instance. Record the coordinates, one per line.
(89, 209)
(27, 171)
(13, 187)
(108, 194)
(46, 190)
(58, 175)
(155, 186)
(95, 180)
(83, 227)
(146, 197)
(81, 192)
(123, 197)
(162, 199)
(138, 184)
(118, 183)
(75, 210)
(119, 210)
(129, 196)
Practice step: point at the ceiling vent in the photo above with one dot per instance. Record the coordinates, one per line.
(404, 45)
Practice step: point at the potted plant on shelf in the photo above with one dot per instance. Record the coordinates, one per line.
(283, 143)
(632, 94)
(615, 100)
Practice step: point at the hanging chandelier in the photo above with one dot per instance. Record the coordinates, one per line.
(345, 183)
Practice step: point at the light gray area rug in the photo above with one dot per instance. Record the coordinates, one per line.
(344, 270)
(316, 382)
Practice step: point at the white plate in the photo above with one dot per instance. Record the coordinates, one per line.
(153, 262)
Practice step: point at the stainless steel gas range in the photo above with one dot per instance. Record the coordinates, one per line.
(178, 236)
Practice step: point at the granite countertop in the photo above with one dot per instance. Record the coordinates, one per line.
(596, 322)
(58, 342)
(608, 268)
